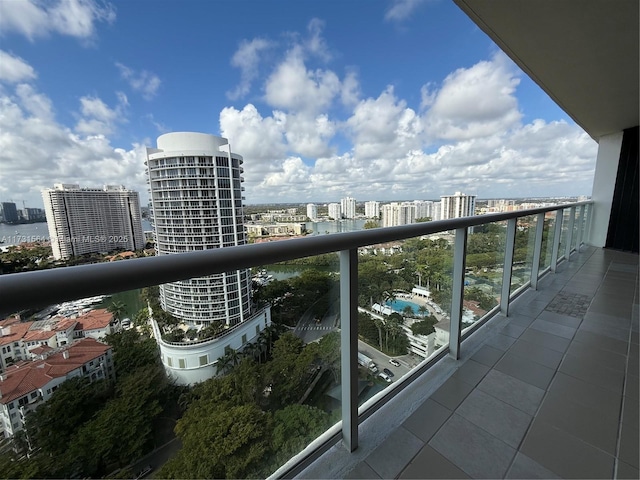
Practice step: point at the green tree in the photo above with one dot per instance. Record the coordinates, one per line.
(118, 309)
(130, 352)
(371, 224)
(424, 327)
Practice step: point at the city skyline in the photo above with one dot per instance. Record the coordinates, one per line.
(436, 109)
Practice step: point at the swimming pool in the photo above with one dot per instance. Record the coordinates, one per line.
(400, 305)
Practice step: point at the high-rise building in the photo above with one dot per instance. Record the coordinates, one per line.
(394, 214)
(348, 206)
(457, 205)
(196, 194)
(335, 211)
(424, 209)
(372, 209)
(9, 212)
(312, 211)
(90, 220)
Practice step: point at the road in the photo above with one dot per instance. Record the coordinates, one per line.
(309, 330)
(382, 361)
(157, 458)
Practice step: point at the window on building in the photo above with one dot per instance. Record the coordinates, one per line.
(204, 359)
(244, 338)
(257, 329)
(170, 361)
(34, 394)
(181, 363)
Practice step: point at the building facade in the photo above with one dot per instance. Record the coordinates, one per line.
(372, 209)
(9, 212)
(348, 207)
(24, 387)
(312, 211)
(457, 205)
(335, 211)
(394, 214)
(92, 220)
(196, 194)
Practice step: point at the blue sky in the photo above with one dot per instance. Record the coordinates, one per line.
(384, 100)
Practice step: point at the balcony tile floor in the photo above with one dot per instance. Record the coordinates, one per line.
(550, 392)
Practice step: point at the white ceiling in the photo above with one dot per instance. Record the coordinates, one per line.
(582, 53)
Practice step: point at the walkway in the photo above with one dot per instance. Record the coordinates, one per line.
(549, 392)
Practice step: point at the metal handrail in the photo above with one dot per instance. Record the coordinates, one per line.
(45, 287)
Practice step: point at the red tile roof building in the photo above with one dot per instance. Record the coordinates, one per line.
(26, 385)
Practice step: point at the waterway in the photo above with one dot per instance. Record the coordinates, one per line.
(337, 226)
(26, 232)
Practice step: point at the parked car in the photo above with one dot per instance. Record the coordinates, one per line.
(385, 377)
(394, 362)
(388, 372)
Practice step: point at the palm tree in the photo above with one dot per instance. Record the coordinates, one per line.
(223, 364)
(118, 309)
(408, 311)
(423, 310)
(379, 323)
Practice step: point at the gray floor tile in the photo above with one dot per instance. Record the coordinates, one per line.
(631, 411)
(586, 394)
(395, 453)
(621, 334)
(475, 451)
(622, 309)
(362, 471)
(553, 328)
(495, 416)
(591, 425)
(592, 372)
(452, 393)
(487, 355)
(632, 388)
(430, 464)
(471, 372)
(627, 471)
(520, 320)
(510, 390)
(427, 419)
(548, 340)
(566, 320)
(536, 353)
(607, 319)
(564, 454)
(524, 467)
(593, 340)
(502, 342)
(604, 358)
(512, 330)
(525, 370)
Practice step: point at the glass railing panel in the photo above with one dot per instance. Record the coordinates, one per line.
(404, 301)
(547, 240)
(576, 228)
(484, 270)
(267, 384)
(523, 251)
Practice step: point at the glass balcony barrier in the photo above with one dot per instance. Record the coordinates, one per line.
(338, 324)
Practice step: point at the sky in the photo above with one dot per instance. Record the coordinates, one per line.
(377, 100)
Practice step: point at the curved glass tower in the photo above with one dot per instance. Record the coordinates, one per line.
(196, 193)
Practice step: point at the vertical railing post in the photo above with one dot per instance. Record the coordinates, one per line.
(349, 346)
(457, 291)
(580, 228)
(572, 222)
(557, 231)
(587, 227)
(537, 251)
(508, 265)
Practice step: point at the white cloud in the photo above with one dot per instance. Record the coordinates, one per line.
(475, 101)
(97, 118)
(36, 151)
(384, 126)
(316, 43)
(147, 83)
(247, 59)
(402, 9)
(76, 18)
(14, 69)
(292, 87)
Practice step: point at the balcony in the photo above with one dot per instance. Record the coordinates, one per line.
(509, 395)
